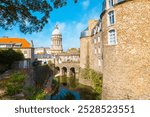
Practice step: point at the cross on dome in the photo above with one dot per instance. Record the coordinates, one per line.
(56, 30)
(56, 27)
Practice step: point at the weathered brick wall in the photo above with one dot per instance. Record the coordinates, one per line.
(127, 65)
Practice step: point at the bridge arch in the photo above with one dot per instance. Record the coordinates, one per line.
(72, 71)
(57, 70)
(64, 70)
(68, 69)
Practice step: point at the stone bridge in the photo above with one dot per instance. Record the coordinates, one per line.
(68, 68)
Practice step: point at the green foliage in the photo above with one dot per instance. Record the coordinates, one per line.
(7, 57)
(25, 13)
(15, 84)
(17, 77)
(88, 93)
(33, 93)
(40, 95)
(30, 93)
(72, 82)
(41, 74)
(94, 76)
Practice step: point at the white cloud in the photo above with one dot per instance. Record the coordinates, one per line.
(85, 4)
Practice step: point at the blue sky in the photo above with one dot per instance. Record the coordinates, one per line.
(72, 19)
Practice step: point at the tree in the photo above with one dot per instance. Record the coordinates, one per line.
(7, 57)
(30, 15)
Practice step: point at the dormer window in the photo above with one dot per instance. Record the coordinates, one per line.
(111, 18)
(119, 1)
(111, 3)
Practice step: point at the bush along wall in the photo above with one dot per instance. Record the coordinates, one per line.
(95, 77)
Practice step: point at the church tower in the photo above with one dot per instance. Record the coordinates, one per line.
(56, 42)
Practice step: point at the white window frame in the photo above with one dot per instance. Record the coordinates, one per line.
(99, 49)
(109, 40)
(95, 41)
(99, 38)
(110, 19)
(110, 5)
(99, 62)
(94, 31)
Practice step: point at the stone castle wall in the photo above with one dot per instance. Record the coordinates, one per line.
(126, 72)
(84, 52)
(96, 60)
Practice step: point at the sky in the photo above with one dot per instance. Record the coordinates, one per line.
(72, 19)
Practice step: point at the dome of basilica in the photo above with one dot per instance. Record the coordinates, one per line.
(56, 31)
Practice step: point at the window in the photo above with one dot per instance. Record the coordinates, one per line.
(25, 52)
(111, 17)
(95, 51)
(3, 46)
(99, 62)
(112, 37)
(99, 49)
(98, 39)
(111, 3)
(99, 27)
(94, 31)
(94, 40)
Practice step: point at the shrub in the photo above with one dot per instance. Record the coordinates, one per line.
(15, 84)
(94, 76)
(7, 57)
(40, 95)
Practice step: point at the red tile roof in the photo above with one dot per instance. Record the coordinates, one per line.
(24, 42)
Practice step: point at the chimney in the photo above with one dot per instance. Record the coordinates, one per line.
(32, 45)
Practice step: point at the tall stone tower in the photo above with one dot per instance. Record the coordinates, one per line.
(56, 46)
(126, 49)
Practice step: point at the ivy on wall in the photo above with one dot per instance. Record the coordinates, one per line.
(95, 77)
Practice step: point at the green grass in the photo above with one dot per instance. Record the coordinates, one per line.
(14, 85)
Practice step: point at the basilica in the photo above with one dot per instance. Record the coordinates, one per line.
(55, 53)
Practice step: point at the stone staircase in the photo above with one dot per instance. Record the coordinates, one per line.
(3, 77)
(6, 75)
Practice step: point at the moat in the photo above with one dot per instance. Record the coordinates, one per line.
(72, 86)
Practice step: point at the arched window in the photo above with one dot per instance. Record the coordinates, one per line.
(112, 37)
